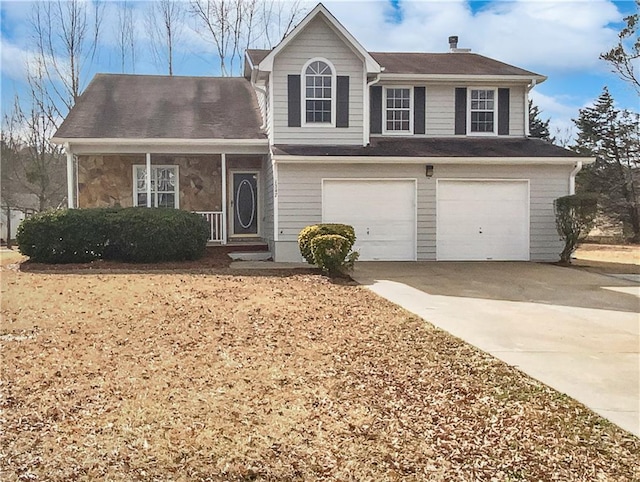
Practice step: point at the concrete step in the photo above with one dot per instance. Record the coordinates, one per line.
(250, 255)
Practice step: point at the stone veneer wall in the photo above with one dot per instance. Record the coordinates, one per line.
(107, 180)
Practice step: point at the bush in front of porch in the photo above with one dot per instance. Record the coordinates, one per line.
(136, 235)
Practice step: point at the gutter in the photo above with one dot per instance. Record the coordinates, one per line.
(367, 110)
(159, 142)
(572, 177)
(287, 159)
(533, 83)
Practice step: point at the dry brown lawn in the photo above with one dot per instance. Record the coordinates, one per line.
(623, 254)
(156, 376)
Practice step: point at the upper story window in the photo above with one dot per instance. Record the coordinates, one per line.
(164, 186)
(482, 109)
(318, 83)
(397, 110)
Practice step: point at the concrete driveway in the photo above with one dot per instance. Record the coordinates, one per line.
(575, 331)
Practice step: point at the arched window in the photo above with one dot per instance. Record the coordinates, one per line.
(318, 94)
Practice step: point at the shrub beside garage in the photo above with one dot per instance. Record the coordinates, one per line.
(137, 235)
(328, 246)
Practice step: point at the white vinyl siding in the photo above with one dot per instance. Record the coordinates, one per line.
(267, 200)
(517, 105)
(440, 110)
(317, 40)
(300, 198)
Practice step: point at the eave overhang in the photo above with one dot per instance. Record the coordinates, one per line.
(162, 146)
(284, 159)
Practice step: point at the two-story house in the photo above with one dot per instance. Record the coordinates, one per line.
(427, 155)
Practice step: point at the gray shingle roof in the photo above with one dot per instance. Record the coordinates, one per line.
(444, 63)
(434, 147)
(459, 63)
(156, 107)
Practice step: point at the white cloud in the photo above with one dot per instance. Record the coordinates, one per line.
(546, 35)
(13, 60)
(559, 110)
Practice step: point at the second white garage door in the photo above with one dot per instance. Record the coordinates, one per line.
(482, 220)
(382, 212)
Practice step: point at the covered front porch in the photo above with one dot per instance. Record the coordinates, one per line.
(227, 188)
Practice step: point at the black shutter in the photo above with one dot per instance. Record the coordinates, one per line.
(418, 110)
(375, 110)
(503, 112)
(293, 100)
(461, 111)
(342, 109)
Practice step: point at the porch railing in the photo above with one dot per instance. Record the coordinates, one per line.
(214, 218)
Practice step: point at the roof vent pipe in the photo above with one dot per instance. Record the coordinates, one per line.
(453, 42)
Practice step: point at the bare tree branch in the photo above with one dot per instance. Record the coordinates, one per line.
(126, 36)
(164, 21)
(235, 25)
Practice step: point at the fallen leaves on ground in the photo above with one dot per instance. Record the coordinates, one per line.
(239, 377)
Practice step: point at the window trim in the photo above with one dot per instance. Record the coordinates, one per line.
(303, 94)
(411, 110)
(495, 111)
(155, 166)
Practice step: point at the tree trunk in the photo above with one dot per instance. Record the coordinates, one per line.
(9, 226)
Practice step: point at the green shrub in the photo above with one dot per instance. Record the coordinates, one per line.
(307, 234)
(575, 217)
(329, 252)
(148, 235)
(139, 235)
(64, 236)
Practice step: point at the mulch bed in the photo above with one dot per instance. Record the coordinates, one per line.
(216, 257)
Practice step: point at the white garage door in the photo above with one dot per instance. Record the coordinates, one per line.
(382, 212)
(482, 220)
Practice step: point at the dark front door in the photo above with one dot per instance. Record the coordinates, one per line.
(244, 204)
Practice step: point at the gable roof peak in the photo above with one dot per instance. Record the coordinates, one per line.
(372, 66)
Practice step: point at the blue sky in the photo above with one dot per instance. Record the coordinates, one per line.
(560, 39)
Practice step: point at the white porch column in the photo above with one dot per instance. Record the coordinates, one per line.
(148, 179)
(224, 198)
(70, 190)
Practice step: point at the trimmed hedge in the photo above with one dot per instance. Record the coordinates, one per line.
(138, 235)
(307, 234)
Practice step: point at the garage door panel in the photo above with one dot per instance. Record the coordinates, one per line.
(382, 213)
(482, 220)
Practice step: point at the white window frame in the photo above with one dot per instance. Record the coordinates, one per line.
(387, 132)
(495, 111)
(303, 94)
(154, 194)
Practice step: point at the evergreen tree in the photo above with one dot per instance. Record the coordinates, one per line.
(613, 137)
(537, 127)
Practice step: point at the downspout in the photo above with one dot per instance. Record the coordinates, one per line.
(70, 178)
(572, 177)
(527, 132)
(367, 110)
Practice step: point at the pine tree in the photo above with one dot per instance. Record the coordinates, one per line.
(537, 127)
(613, 137)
